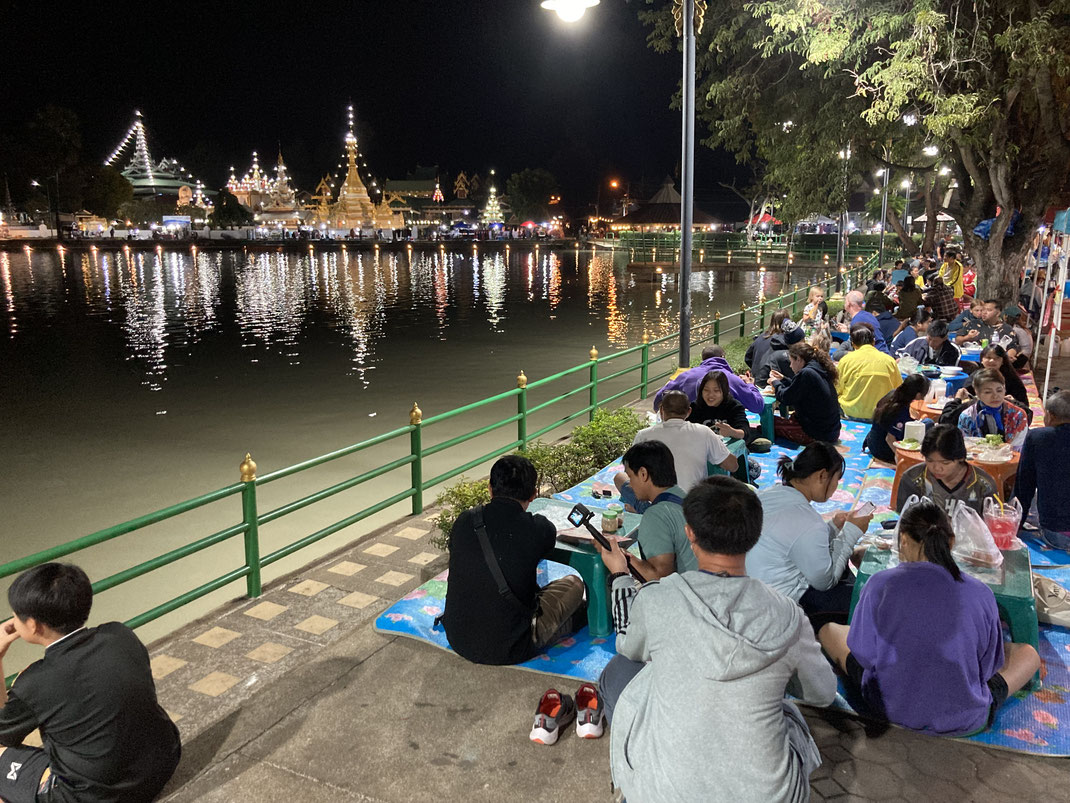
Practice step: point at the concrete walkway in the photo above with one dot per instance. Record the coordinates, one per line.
(294, 697)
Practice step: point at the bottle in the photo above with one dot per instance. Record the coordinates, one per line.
(610, 522)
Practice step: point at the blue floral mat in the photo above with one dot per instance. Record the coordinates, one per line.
(579, 656)
(1041, 555)
(602, 481)
(1031, 721)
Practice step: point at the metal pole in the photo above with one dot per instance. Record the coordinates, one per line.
(416, 449)
(252, 528)
(687, 180)
(884, 219)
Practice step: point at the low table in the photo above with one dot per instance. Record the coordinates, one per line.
(586, 560)
(765, 417)
(954, 383)
(1014, 595)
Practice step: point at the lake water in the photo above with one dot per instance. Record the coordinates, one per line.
(130, 381)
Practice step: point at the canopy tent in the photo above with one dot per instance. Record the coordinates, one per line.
(758, 220)
(662, 211)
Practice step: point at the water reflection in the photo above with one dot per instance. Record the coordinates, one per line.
(342, 308)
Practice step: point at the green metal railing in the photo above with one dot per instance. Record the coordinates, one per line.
(651, 360)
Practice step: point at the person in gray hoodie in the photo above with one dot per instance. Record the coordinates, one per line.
(695, 695)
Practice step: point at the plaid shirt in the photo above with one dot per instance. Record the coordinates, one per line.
(941, 299)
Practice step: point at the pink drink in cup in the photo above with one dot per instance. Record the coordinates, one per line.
(1003, 525)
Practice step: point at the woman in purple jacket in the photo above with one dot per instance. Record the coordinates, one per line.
(924, 646)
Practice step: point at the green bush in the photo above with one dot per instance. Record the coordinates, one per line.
(559, 466)
(455, 500)
(607, 437)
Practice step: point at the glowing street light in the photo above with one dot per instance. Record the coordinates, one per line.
(569, 10)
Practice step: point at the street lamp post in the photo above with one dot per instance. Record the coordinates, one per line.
(684, 12)
(906, 208)
(884, 216)
(841, 240)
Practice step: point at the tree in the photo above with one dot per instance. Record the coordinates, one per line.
(983, 86)
(141, 211)
(106, 190)
(229, 212)
(529, 193)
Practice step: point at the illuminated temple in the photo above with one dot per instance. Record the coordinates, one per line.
(354, 207)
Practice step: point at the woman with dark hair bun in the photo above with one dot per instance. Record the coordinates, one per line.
(924, 647)
(812, 393)
(799, 554)
(892, 414)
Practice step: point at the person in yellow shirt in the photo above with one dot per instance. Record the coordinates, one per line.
(866, 375)
(951, 272)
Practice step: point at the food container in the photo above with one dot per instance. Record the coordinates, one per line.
(612, 518)
(914, 430)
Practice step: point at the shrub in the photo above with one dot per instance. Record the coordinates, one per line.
(607, 437)
(559, 466)
(454, 501)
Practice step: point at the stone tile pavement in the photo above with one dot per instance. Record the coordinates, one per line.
(294, 697)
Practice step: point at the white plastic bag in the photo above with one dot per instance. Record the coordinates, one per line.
(973, 540)
(907, 364)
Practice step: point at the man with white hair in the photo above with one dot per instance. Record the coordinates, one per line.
(1042, 471)
(853, 304)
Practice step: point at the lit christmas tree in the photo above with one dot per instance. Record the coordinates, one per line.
(492, 212)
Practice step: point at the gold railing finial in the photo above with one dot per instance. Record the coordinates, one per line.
(646, 337)
(521, 380)
(247, 468)
(717, 315)
(415, 415)
(743, 307)
(594, 353)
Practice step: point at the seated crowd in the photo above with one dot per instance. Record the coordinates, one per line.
(745, 596)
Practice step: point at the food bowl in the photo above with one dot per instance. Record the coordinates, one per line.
(950, 370)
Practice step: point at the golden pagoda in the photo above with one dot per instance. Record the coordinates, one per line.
(354, 207)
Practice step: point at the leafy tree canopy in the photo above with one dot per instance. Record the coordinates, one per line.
(228, 212)
(971, 97)
(529, 193)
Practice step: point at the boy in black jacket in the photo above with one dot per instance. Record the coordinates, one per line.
(105, 736)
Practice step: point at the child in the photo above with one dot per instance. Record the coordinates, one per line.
(924, 647)
(891, 416)
(991, 414)
(816, 310)
(105, 736)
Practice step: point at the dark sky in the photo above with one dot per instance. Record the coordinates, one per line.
(464, 84)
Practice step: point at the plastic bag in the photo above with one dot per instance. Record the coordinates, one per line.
(1003, 521)
(973, 540)
(907, 364)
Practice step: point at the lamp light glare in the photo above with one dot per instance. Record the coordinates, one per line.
(569, 10)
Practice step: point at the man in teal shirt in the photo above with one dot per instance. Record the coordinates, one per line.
(662, 541)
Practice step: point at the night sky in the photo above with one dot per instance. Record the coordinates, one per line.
(465, 85)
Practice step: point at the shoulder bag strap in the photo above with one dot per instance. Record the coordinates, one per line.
(492, 560)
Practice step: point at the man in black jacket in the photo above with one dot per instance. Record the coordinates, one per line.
(506, 619)
(105, 736)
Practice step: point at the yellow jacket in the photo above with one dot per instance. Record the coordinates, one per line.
(951, 273)
(866, 376)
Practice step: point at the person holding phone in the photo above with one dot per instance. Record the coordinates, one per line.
(799, 553)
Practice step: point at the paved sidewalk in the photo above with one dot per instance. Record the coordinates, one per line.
(294, 697)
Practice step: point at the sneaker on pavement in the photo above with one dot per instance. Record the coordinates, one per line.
(554, 712)
(590, 716)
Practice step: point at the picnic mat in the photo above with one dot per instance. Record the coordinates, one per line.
(603, 480)
(1029, 722)
(579, 656)
(1033, 395)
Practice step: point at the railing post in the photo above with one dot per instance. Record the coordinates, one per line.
(522, 410)
(795, 301)
(594, 383)
(717, 327)
(252, 529)
(742, 319)
(644, 372)
(416, 418)
(761, 320)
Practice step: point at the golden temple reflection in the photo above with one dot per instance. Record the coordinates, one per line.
(9, 295)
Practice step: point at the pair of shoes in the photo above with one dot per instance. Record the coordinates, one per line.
(556, 710)
(760, 445)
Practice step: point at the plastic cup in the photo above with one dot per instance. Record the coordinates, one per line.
(1003, 525)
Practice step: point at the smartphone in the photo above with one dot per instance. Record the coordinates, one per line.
(865, 510)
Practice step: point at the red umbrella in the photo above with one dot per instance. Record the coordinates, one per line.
(765, 218)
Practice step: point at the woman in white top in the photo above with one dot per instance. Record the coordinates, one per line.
(798, 553)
